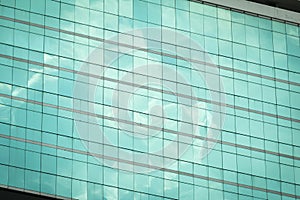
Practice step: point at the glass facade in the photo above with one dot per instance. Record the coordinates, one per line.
(148, 99)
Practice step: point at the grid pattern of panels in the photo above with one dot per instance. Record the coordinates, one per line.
(45, 43)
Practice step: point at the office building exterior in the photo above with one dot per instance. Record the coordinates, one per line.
(149, 99)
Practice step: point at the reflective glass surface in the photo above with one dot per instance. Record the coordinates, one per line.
(148, 99)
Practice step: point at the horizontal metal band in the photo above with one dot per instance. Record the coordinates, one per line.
(30, 192)
(257, 9)
(152, 127)
(153, 167)
(153, 89)
(152, 51)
